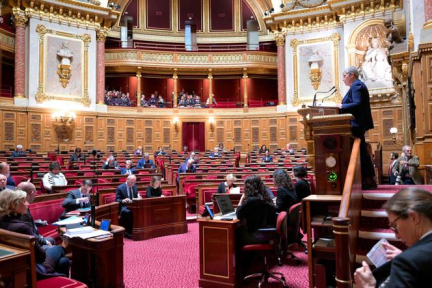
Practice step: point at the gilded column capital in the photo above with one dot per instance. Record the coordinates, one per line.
(19, 19)
(138, 73)
(280, 39)
(101, 34)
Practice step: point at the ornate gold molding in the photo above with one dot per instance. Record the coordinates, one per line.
(280, 39)
(7, 41)
(41, 96)
(19, 17)
(102, 34)
(335, 38)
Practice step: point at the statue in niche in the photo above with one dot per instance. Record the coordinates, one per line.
(65, 54)
(393, 34)
(64, 69)
(315, 74)
(376, 70)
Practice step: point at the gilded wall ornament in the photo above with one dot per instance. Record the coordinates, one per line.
(64, 70)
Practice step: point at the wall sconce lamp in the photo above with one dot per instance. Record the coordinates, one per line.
(175, 121)
(394, 131)
(211, 121)
(64, 117)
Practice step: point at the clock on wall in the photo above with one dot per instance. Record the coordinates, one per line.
(330, 161)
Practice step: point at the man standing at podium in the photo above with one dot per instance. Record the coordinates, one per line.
(356, 102)
(125, 193)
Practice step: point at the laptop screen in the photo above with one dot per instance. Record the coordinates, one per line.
(225, 204)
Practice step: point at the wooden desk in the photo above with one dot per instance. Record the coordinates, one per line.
(15, 266)
(218, 253)
(155, 217)
(105, 256)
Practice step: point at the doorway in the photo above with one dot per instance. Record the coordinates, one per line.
(193, 136)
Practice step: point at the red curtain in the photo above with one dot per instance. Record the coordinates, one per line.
(193, 136)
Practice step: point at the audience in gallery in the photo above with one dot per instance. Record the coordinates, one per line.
(79, 198)
(128, 169)
(5, 170)
(110, 163)
(30, 191)
(215, 152)
(257, 208)
(156, 101)
(3, 185)
(126, 193)
(117, 98)
(405, 168)
(54, 177)
(286, 196)
(49, 258)
(138, 151)
(160, 151)
(301, 187)
(208, 101)
(263, 149)
(145, 162)
(227, 185)
(267, 157)
(410, 216)
(154, 190)
(19, 152)
(393, 158)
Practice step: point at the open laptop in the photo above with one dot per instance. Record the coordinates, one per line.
(226, 207)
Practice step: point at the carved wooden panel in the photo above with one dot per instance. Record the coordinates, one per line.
(110, 134)
(273, 134)
(387, 112)
(219, 123)
(9, 131)
(255, 135)
(130, 148)
(111, 121)
(220, 135)
(88, 120)
(148, 135)
(129, 135)
(111, 148)
(166, 135)
(273, 122)
(237, 122)
(148, 149)
(9, 116)
(293, 133)
(148, 123)
(89, 130)
(292, 120)
(255, 147)
(35, 147)
(36, 117)
(35, 132)
(166, 123)
(237, 135)
(238, 148)
(387, 124)
(255, 122)
(130, 122)
(273, 148)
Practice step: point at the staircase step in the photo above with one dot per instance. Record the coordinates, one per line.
(374, 213)
(378, 234)
(378, 196)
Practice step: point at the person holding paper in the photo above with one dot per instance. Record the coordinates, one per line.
(79, 198)
(410, 217)
(13, 205)
(226, 186)
(54, 177)
(125, 193)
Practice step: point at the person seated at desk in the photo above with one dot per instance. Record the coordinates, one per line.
(288, 150)
(226, 186)
(410, 216)
(19, 152)
(189, 166)
(145, 162)
(215, 153)
(160, 152)
(185, 150)
(125, 193)
(79, 198)
(13, 205)
(222, 147)
(110, 163)
(54, 177)
(3, 185)
(138, 151)
(77, 156)
(191, 157)
(128, 169)
(302, 187)
(257, 208)
(30, 190)
(263, 149)
(267, 157)
(286, 196)
(155, 188)
(5, 170)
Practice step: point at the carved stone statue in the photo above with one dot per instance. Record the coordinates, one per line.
(392, 34)
(65, 54)
(375, 70)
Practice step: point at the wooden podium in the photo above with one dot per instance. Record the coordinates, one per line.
(155, 217)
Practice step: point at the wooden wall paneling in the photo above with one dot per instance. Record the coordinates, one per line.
(101, 140)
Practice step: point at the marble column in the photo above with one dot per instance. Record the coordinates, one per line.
(138, 97)
(101, 35)
(210, 80)
(280, 42)
(428, 10)
(175, 77)
(20, 24)
(245, 92)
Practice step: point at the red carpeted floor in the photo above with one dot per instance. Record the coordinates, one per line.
(173, 261)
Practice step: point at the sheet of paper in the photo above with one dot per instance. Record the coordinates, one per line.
(235, 190)
(70, 220)
(377, 254)
(95, 233)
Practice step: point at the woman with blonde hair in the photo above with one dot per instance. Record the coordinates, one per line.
(226, 186)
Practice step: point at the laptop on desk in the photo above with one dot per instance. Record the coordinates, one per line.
(225, 206)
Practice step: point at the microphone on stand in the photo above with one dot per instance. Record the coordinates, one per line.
(331, 94)
(321, 92)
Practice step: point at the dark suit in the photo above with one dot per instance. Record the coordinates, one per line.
(125, 214)
(285, 199)
(215, 154)
(267, 159)
(124, 171)
(70, 203)
(19, 154)
(183, 168)
(392, 177)
(356, 102)
(412, 268)
(11, 182)
(142, 162)
(7, 187)
(28, 218)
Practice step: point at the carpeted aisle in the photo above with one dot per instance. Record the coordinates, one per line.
(173, 261)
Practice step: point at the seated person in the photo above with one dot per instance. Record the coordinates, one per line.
(5, 170)
(152, 102)
(160, 151)
(393, 158)
(110, 163)
(182, 102)
(197, 101)
(155, 188)
(13, 205)
(190, 102)
(286, 196)
(221, 147)
(226, 186)
(128, 169)
(30, 191)
(126, 193)
(54, 177)
(267, 157)
(257, 208)
(138, 151)
(145, 161)
(208, 101)
(262, 149)
(185, 150)
(3, 185)
(288, 150)
(161, 102)
(77, 156)
(79, 198)
(143, 101)
(191, 157)
(410, 216)
(405, 168)
(215, 152)
(189, 166)
(19, 152)
(302, 187)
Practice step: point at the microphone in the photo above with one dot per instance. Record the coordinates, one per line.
(331, 94)
(321, 92)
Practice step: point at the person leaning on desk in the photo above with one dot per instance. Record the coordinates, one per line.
(125, 193)
(79, 198)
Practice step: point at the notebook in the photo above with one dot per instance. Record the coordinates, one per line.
(225, 206)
